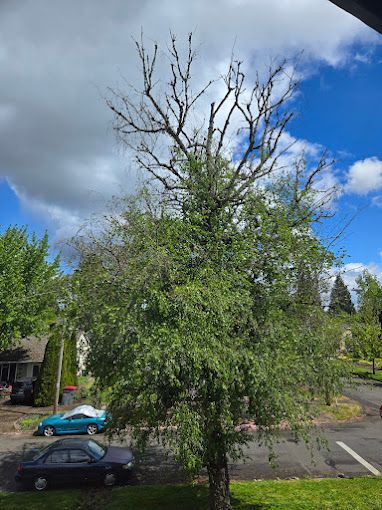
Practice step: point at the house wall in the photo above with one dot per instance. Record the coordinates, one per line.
(82, 353)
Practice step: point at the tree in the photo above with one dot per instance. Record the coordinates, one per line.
(340, 298)
(186, 295)
(27, 297)
(367, 325)
(308, 289)
(45, 387)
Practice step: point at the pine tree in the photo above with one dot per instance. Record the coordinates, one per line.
(308, 287)
(340, 298)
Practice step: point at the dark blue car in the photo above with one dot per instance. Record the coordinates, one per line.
(73, 461)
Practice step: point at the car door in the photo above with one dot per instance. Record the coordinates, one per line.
(63, 425)
(57, 466)
(78, 424)
(83, 466)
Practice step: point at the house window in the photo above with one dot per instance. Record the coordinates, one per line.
(12, 373)
(36, 370)
(4, 372)
(22, 369)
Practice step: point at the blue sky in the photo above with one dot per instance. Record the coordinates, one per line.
(59, 160)
(12, 213)
(341, 109)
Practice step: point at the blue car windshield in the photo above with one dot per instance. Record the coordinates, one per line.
(97, 450)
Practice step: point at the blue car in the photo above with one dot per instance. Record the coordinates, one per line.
(81, 419)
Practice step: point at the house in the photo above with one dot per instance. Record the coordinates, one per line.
(26, 357)
(82, 352)
(22, 360)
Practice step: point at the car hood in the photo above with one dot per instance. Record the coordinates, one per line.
(52, 419)
(118, 454)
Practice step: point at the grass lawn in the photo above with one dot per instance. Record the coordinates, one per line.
(365, 373)
(63, 500)
(324, 494)
(31, 422)
(342, 409)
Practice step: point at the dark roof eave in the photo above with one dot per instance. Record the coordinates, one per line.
(368, 11)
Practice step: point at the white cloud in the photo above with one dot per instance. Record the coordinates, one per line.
(364, 176)
(377, 201)
(56, 146)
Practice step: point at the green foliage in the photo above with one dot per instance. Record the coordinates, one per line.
(308, 289)
(189, 298)
(31, 422)
(193, 328)
(366, 329)
(27, 295)
(69, 361)
(46, 383)
(340, 298)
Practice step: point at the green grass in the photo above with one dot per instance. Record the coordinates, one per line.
(323, 494)
(365, 373)
(31, 422)
(344, 409)
(64, 500)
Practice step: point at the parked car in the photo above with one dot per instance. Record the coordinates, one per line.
(80, 420)
(23, 391)
(69, 461)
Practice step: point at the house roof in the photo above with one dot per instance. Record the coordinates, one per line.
(368, 11)
(30, 349)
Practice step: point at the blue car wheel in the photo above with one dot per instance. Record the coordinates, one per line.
(49, 431)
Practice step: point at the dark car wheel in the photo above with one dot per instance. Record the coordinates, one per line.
(49, 431)
(110, 479)
(40, 483)
(92, 429)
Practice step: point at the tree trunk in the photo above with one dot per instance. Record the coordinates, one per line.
(219, 494)
(373, 366)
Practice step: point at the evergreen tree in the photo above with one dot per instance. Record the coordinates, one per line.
(308, 287)
(46, 382)
(69, 362)
(44, 394)
(340, 298)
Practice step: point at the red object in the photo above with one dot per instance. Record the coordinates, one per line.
(70, 388)
(20, 469)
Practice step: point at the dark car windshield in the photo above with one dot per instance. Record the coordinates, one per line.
(96, 449)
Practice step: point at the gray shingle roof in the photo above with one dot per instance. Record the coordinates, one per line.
(30, 349)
